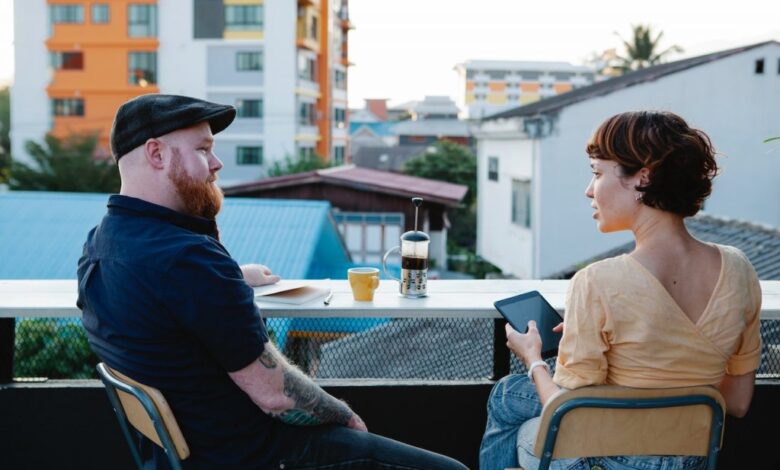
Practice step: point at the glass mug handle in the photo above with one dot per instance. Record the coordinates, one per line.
(384, 263)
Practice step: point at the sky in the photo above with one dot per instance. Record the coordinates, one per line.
(406, 49)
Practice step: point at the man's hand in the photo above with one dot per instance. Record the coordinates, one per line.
(257, 275)
(357, 423)
(528, 346)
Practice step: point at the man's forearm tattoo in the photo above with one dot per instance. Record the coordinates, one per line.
(312, 404)
(267, 360)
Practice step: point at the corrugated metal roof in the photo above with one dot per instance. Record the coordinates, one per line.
(433, 127)
(42, 234)
(365, 179)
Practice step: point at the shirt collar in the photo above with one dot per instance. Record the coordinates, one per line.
(126, 204)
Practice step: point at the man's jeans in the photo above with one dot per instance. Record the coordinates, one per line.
(513, 409)
(340, 448)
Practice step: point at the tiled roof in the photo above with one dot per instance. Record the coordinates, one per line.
(380, 129)
(614, 84)
(364, 179)
(761, 244)
(433, 127)
(386, 158)
(43, 233)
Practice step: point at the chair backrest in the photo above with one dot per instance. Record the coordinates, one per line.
(145, 408)
(610, 420)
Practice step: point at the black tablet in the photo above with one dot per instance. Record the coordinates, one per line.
(520, 309)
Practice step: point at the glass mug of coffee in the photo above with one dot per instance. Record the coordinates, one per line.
(414, 264)
(363, 282)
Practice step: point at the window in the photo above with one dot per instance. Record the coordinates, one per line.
(340, 117)
(249, 108)
(760, 67)
(60, 14)
(142, 21)
(521, 203)
(67, 60)
(249, 155)
(306, 114)
(142, 68)
(247, 61)
(67, 107)
(99, 13)
(340, 79)
(305, 153)
(493, 168)
(307, 68)
(338, 155)
(313, 28)
(243, 17)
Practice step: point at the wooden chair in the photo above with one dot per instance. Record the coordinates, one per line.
(609, 420)
(146, 410)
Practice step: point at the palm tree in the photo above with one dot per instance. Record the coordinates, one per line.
(642, 49)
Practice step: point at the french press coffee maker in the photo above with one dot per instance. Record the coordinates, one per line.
(414, 259)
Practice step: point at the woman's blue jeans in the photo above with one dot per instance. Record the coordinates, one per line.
(513, 410)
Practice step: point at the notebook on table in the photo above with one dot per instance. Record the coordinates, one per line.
(290, 292)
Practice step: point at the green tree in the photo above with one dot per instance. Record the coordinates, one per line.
(5, 141)
(65, 165)
(290, 165)
(448, 161)
(643, 49)
(53, 348)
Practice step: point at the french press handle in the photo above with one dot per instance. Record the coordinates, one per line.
(384, 262)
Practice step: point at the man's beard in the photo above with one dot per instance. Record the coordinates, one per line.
(200, 198)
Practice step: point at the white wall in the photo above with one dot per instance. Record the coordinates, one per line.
(735, 107)
(181, 60)
(499, 241)
(30, 110)
(280, 79)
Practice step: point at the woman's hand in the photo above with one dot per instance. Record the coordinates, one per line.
(526, 346)
(558, 328)
(258, 275)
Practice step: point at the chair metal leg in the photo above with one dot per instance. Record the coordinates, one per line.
(122, 418)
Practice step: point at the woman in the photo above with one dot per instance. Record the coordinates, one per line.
(675, 312)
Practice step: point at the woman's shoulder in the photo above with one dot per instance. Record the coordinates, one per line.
(735, 257)
(602, 270)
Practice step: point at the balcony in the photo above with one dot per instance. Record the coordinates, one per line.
(433, 397)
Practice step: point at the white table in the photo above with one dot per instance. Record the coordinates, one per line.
(446, 299)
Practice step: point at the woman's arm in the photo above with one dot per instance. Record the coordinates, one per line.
(737, 390)
(528, 348)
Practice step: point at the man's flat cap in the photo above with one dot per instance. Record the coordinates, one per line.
(148, 116)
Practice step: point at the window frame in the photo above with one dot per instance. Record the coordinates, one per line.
(66, 104)
(249, 108)
(241, 157)
(517, 200)
(246, 22)
(57, 60)
(70, 8)
(104, 6)
(149, 24)
(492, 170)
(150, 75)
(245, 54)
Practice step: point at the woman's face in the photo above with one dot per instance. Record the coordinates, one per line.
(612, 196)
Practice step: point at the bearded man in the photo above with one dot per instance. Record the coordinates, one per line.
(165, 304)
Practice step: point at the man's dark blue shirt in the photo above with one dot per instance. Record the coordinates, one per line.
(164, 303)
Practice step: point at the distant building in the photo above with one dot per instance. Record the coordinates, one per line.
(281, 63)
(372, 207)
(492, 86)
(532, 170)
(433, 119)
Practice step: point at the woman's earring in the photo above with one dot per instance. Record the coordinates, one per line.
(638, 197)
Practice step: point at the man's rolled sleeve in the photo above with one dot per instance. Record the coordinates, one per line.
(217, 306)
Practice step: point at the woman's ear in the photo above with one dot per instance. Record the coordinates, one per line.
(644, 176)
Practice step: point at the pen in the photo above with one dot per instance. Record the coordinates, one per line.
(328, 299)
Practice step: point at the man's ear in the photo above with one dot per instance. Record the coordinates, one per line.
(153, 153)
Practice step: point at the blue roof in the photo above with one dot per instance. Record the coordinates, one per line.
(382, 129)
(42, 234)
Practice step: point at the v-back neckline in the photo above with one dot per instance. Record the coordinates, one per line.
(669, 296)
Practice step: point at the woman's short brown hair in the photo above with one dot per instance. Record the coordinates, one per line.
(681, 160)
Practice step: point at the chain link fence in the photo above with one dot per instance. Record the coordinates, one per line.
(415, 349)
